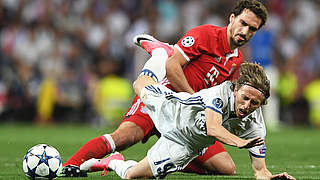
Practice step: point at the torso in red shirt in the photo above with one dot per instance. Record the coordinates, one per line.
(210, 60)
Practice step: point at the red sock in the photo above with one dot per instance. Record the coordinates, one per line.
(95, 148)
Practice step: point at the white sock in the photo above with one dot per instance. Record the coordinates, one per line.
(121, 167)
(112, 144)
(155, 67)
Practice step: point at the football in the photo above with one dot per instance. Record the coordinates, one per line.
(42, 162)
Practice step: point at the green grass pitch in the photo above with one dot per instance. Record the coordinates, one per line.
(296, 151)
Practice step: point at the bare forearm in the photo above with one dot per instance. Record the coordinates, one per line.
(262, 174)
(225, 136)
(175, 74)
(259, 168)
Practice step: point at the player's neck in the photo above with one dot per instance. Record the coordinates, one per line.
(231, 45)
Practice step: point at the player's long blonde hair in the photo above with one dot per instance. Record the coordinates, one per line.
(253, 74)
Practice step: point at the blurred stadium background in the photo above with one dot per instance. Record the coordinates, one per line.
(74, 61)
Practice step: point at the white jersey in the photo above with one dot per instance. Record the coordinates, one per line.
(221, 99)
(180, 118)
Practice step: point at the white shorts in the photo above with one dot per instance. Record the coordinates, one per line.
(166, 156)
(163, 112)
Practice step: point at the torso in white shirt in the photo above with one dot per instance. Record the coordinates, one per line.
(180, 116)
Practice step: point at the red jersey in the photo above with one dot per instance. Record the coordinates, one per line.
(210, 60)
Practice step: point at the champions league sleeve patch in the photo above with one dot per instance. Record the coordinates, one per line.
(258, 151)
(217, 102)
(187, 41)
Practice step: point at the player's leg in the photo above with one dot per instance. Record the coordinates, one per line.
(125, 169)
(140, 170)
(100, 146)
(163, 158)
(135, 127)
(216, 160)
(220, 163)
(149, 43)
(154, 68)
(128, 133)
(97, 147)
(153, 71)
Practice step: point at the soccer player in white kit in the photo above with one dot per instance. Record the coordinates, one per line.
(229, 112)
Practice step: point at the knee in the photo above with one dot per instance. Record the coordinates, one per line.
(127, 135)
(129, 175)
(229, 169)
(134, 173)
(225, 167)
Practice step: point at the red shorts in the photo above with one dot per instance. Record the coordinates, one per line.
(138, 115)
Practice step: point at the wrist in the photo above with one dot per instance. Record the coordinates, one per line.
(241, 143)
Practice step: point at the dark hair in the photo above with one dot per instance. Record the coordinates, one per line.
(253, 74)
(253, 5)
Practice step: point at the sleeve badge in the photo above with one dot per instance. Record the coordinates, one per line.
(217, 102)
(187, 41)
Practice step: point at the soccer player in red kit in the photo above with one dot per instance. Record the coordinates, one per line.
(204, 57)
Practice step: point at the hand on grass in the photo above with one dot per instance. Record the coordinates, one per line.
(282, 176)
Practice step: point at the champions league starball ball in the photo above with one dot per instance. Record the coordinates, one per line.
(42, 162)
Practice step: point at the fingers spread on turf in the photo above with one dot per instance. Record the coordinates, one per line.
(284, 176)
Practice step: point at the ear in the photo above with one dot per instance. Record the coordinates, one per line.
(231, 18)
(235, 90)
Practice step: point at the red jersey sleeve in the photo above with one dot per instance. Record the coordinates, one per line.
(196, 42)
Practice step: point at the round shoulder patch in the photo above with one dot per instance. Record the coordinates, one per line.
(217, 102)
(187, 41)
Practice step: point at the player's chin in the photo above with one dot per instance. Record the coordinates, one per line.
(242, 114)
(241, 42)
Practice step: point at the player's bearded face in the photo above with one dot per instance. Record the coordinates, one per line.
(243, 27)
(247, 100)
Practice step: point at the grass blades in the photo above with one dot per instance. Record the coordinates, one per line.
(294, 150)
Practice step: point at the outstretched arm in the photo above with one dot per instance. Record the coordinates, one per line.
(175, 75)
(215, 129)
(261, 172)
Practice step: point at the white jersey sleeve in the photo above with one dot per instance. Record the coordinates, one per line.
(216, 98)
(220, 99)
(258, 151)
(257, 129)
(250, 127)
